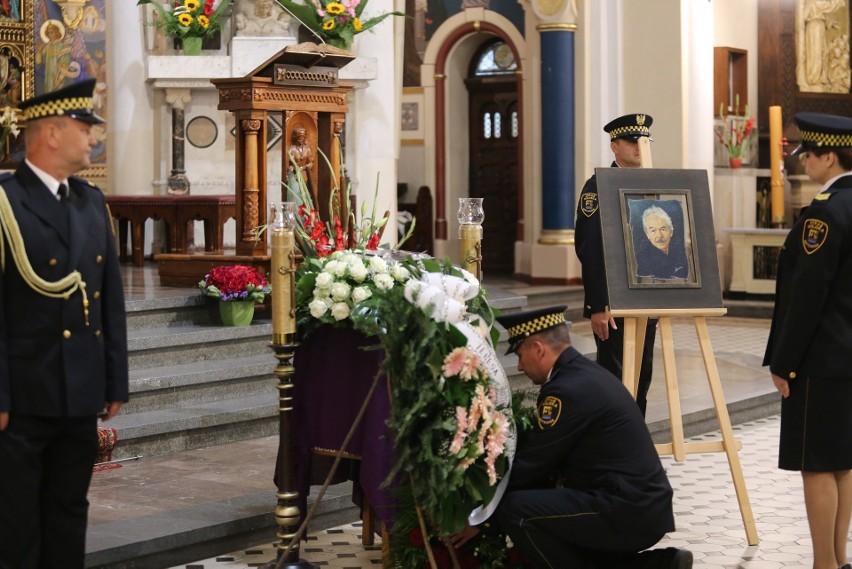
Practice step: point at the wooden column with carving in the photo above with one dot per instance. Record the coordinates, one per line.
(251, 182)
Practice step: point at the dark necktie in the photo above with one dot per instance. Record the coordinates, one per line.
(63, 193)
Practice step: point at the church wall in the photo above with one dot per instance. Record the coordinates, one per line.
(131, 125)
(736, 26)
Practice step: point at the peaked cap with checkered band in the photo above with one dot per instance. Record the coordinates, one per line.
(631, 127)
(823, 131)
(522, 325)
(73, 101)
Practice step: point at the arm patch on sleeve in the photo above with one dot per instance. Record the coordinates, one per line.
(549, 411)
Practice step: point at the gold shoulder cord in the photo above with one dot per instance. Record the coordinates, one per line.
(63, 288)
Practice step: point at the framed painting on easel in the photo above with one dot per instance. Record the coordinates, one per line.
(658, 239)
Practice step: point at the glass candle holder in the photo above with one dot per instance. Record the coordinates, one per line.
(470, 211)
(282, 215)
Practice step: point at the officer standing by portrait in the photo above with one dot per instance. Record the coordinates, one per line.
(63, 338)
(624, 133)
(808, 352)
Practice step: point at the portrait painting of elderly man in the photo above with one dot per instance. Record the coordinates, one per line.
(660, 238)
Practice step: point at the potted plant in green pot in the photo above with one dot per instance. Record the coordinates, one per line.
(190, 21)
(238, 288)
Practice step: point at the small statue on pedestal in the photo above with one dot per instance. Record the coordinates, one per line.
(301, 156)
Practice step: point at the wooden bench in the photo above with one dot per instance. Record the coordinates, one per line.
(176, 212)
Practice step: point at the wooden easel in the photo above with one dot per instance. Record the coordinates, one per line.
(634, 338)
(635, 322)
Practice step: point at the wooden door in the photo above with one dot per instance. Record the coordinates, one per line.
(494, 131)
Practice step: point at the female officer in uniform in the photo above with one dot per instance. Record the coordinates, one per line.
(809, 351)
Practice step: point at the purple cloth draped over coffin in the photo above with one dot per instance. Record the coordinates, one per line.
(333, 376)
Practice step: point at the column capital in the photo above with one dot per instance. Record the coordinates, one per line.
(560, 13)
(177, 98)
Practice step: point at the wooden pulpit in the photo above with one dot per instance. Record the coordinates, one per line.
(299, 87)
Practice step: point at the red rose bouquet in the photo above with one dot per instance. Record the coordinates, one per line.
(236, 282)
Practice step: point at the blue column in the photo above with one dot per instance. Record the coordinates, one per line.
(557, 127)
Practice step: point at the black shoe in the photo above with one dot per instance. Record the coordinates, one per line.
(668, 558)
(847, 566)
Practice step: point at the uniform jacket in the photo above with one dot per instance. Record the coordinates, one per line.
(811, 331)
(591, 436)
(51, 363)
(589, 247)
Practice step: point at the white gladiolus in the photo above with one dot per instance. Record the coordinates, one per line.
(340, 291)
(361, 293)
(383, 281)
(340, 310)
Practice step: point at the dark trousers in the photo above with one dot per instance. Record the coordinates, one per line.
(563, 528)
(611, 355)
(45, 469)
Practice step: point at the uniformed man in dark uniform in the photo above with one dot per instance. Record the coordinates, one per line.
(63, 339)
(624, 133)
(808, 352)
(586, 488)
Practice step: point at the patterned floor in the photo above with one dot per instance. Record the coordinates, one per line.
(706, 511)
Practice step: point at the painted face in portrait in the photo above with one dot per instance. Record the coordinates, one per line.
(658, 230)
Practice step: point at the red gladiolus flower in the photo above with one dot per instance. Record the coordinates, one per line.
(373, 242)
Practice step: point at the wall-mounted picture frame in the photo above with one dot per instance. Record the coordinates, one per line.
(412, 116)
(658, 239)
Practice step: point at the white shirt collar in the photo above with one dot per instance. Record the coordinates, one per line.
(834, 179)
(48, 180)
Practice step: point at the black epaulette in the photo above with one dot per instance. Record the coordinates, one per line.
(6, 176)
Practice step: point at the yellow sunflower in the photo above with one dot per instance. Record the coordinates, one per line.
(203, 21)
(356, 23)
(185, 19)
(334, 8)
(191, 4)
(328, 25)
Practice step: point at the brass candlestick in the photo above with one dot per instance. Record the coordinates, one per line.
(471, 215)
(283, 269)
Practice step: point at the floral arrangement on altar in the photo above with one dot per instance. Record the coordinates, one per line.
(335, 22)
(235, 282)
(454, 420)
(190, 18)
(735, 133)
(330, 289)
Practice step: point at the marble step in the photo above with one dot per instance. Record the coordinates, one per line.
(162, 346)
(183, 427)
(199, 382)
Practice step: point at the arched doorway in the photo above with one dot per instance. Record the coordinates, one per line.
(494, 149)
